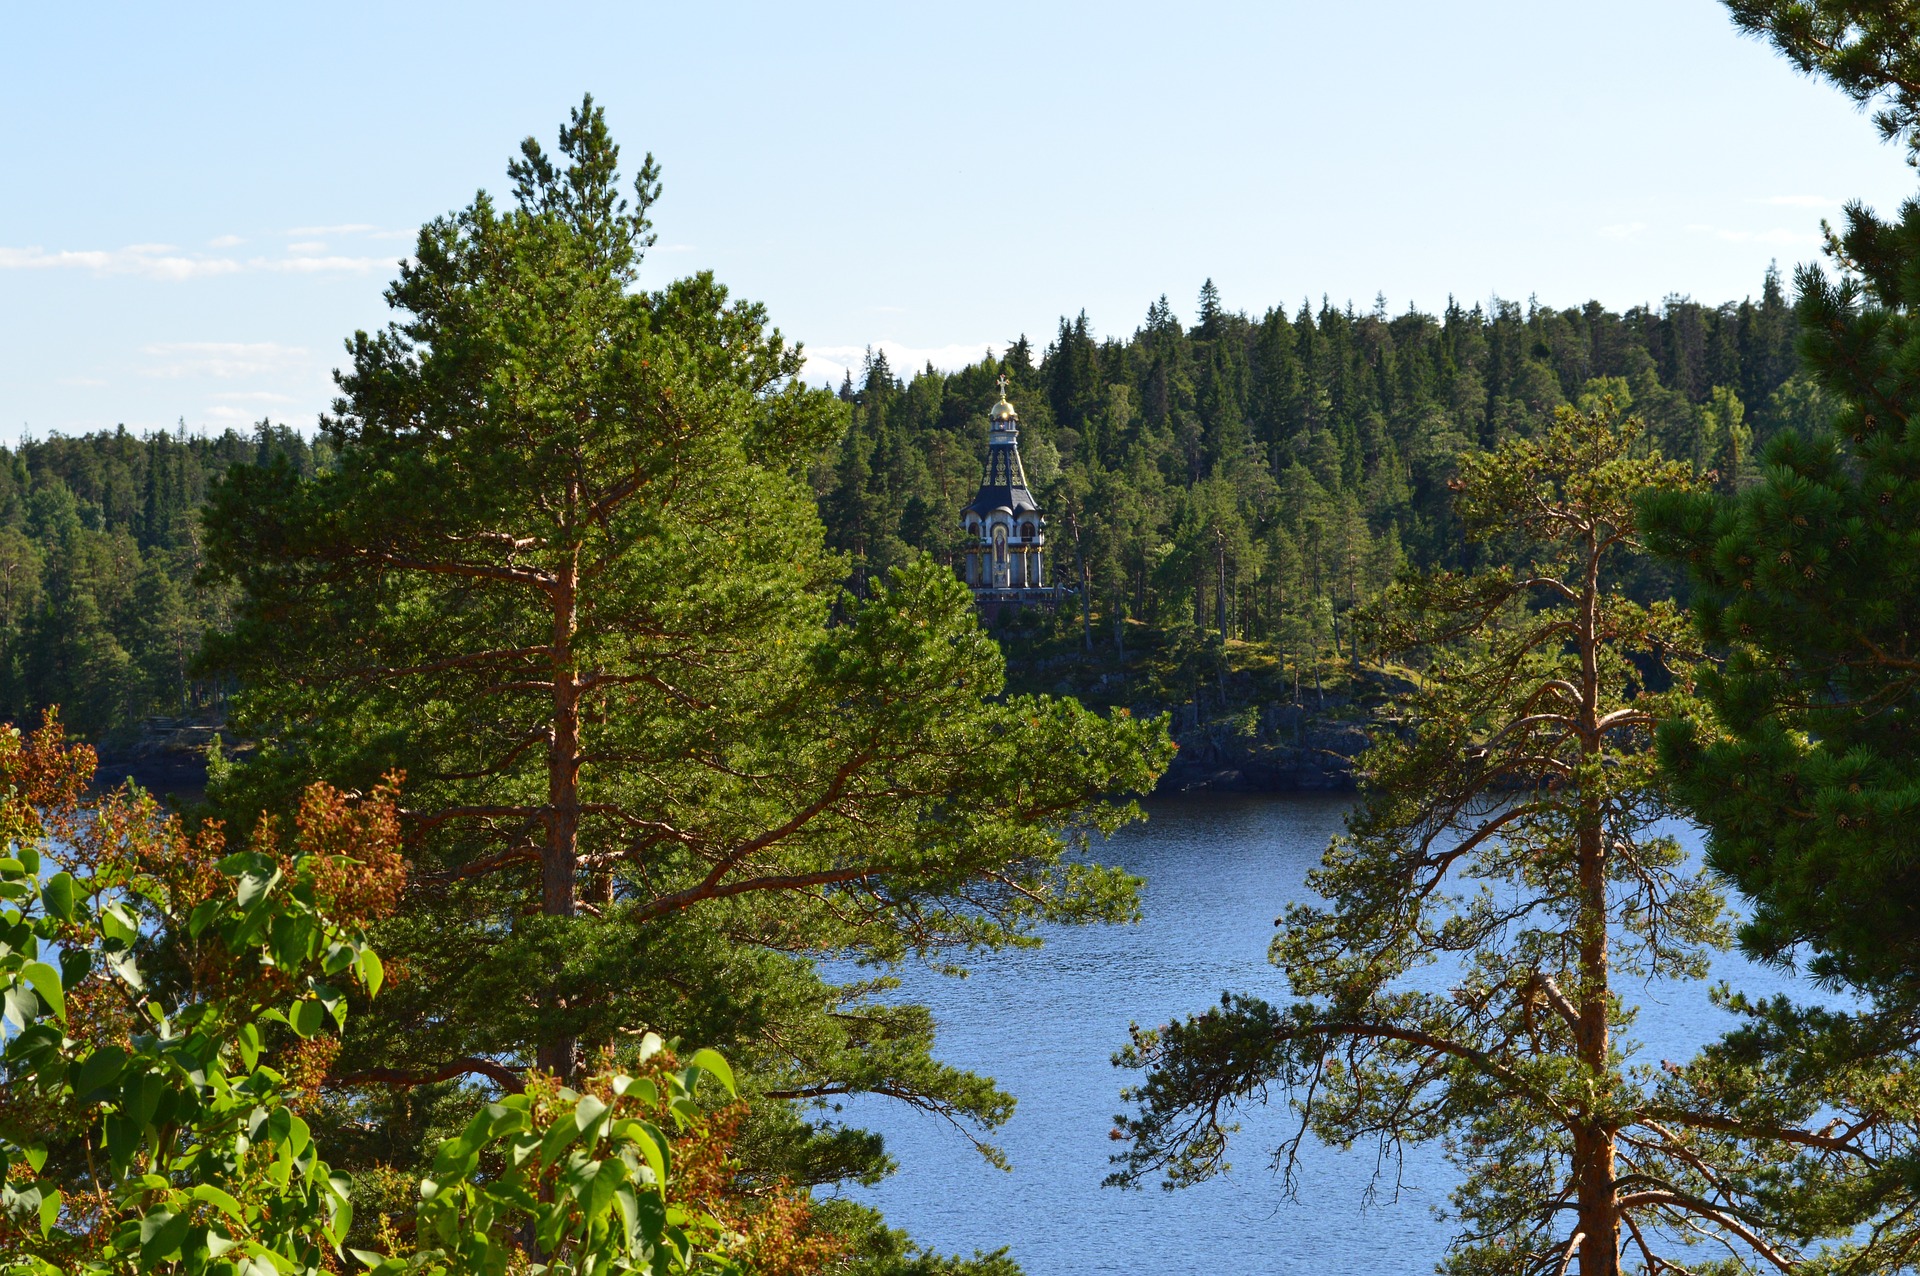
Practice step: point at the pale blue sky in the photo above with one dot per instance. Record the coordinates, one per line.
(197, 209)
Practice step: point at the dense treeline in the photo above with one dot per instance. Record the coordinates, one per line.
(1262, 476)
(1257, 477)
(100, 547)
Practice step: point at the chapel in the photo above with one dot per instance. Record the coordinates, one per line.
(1006, 534)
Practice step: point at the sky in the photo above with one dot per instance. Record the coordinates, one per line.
(198, 208)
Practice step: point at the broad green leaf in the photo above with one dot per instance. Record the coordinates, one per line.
(306, 1017)
(372, 973)
(19, 1007)
(123, 965)
(709, 1061)
(237, 863)
(254, 886)
(118, 924)
(298, 1136)
(123, 1139)
(331, 999)
(58, 893)
(339, 1212)
(652, 1145)
(219, 1199)
(75, 965)
(49, 1211)
(337, 957)
(608, 1177)
(248, 1040)
(629, 1209)
(203, 915)
(264, 1262)
(160, 1236)
(455, 1160)
(506, 1118)
(587, 1113)
(101, 1068)
(141, 1098)
(557, 1138)
(45, 980)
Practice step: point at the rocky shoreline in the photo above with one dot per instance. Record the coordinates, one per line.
(168, 757)
(1253, 748)
(1300, 753)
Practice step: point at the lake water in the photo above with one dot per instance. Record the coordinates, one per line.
(1045, 1025)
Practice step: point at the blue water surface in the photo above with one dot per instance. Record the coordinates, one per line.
(1045, 1025)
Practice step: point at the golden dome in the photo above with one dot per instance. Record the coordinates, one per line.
(1002, 412)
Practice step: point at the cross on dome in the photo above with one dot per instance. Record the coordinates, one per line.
(1002, 414)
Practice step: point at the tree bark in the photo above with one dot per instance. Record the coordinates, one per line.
(1594, 1146)
(560, 858)
(1086, 599)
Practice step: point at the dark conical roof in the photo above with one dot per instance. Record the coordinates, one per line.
(1004, 485)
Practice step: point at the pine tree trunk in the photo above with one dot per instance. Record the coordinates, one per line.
(1086, 600)
(559, 860)
(1594, 1170)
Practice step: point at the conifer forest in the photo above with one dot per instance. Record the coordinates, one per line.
(513, 824)
(1275, 471)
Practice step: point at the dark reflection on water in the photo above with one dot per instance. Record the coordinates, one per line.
(1046, 1023)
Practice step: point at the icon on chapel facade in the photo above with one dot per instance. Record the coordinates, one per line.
(1006, 534)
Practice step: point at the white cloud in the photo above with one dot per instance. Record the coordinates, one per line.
(1799, 201)
(830, 363)
(1778, 237)
(225, 241)
(148, 261)
(165, 262)
(308, 246)
(351, 228)
(225, 360)
(1622, 230)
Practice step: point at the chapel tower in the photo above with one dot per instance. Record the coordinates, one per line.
(1006, 534)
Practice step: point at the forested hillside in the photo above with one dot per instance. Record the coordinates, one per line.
(99, 549)
(1253, 476)
(1261, 476)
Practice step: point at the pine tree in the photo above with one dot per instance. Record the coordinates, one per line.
(1811, 578)
(1809, 782)
(1512, 826)
(565, 575)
